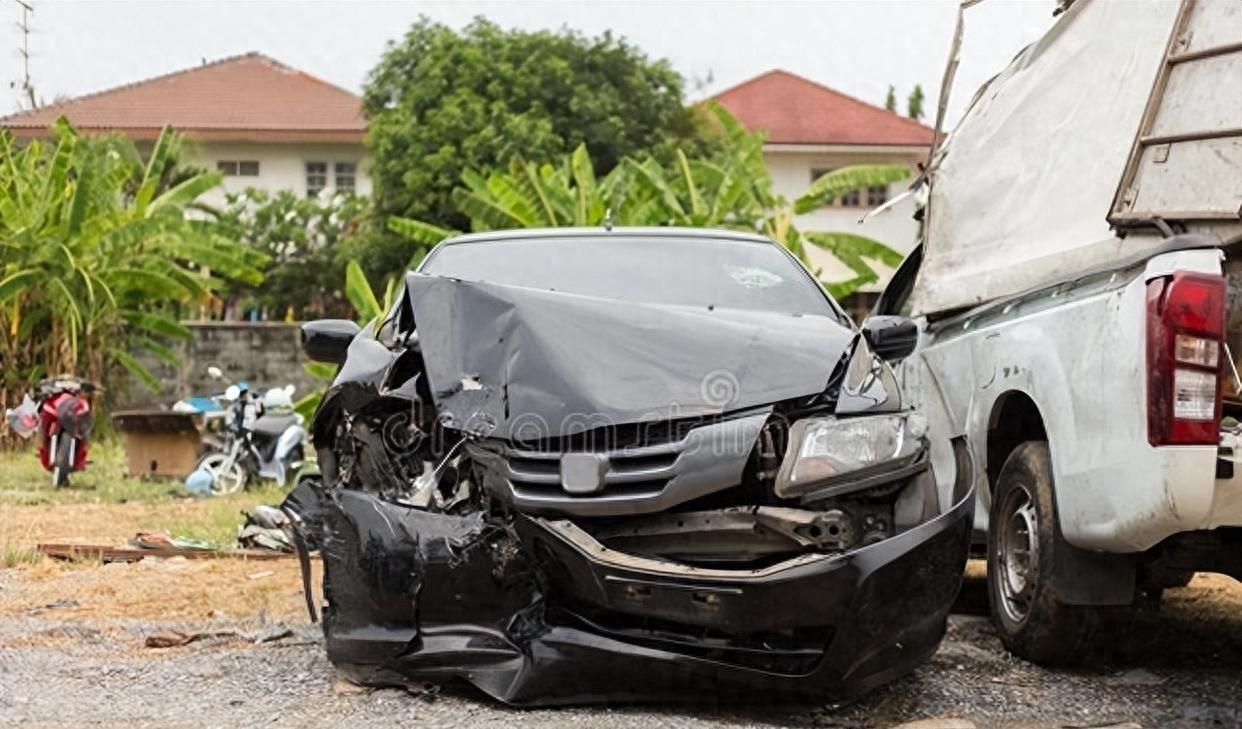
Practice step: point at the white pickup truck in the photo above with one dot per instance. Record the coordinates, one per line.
(1074, 306)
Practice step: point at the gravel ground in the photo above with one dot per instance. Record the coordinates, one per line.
(1180, 667)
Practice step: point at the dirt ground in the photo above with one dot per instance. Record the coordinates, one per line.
(73, 653)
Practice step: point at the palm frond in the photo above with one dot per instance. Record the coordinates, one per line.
(834, 184)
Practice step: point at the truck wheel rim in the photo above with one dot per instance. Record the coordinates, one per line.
(1018, 554)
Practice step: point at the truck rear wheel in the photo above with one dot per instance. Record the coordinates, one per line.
(1022, 536)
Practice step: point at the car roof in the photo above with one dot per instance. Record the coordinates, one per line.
(517, 234)
(720, 234)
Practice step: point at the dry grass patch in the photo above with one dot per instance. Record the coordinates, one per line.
(104, 506)
(160, 589)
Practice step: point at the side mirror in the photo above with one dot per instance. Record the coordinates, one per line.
(891, 337)
(327, 340)
(214, 372)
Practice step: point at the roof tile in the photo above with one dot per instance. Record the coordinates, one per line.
(795, 110)
(250, 97)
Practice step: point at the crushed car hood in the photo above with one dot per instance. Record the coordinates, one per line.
(511, 362)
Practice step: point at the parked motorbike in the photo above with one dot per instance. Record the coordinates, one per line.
(261, 437)
(61, 413)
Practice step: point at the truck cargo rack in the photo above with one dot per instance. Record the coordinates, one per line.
(1186, 160)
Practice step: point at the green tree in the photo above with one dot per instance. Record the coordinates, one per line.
(890, 99)
(733, 190)
(306, 242)
(914, 104)
(97, 255)
(441, 102)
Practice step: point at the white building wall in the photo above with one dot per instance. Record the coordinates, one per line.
(791, 170)
(281, 166)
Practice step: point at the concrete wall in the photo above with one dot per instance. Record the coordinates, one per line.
(791, 168)
(264, 354)
(281, 166)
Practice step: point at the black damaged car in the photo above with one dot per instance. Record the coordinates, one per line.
(582, 465)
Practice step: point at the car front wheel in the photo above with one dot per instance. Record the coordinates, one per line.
(1022, 537)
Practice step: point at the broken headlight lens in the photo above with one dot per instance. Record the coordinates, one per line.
(823, 451)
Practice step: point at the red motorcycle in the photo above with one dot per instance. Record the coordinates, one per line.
(61, 413)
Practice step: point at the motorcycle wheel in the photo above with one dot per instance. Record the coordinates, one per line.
(293, 465)
(224, 481)
(62, 461)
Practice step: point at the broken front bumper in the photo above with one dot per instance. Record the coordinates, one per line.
(537, 612)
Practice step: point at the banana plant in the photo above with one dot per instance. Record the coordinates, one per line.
(97, 254)
(732, 190)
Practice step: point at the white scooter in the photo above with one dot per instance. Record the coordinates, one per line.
(263, 438)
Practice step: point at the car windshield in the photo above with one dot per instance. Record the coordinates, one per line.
(660, 270)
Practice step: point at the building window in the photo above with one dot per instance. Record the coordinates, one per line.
(346, 176)
(316, 178)
(877, 195)
(235, 168)
(849, 199)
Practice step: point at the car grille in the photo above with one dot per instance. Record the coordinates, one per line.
(644, 473)
(633, 471)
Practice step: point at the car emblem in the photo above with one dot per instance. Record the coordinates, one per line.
(582, 474)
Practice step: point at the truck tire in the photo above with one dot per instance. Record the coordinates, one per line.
(1022, 535)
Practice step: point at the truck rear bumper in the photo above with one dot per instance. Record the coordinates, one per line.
(1132, 506)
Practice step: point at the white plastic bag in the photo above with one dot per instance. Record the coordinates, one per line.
(24, 419)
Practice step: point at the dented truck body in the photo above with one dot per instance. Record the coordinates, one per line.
(561, 492)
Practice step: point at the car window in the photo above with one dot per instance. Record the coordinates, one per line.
(673, 270)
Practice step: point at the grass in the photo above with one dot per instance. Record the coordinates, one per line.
(23, 480)
(17, 555)
(102, 504)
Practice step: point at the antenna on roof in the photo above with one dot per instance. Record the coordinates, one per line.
(24, 51)
(608, 219)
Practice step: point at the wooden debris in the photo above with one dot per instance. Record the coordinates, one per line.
(106, 553)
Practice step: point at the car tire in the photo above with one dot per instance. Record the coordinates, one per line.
(1022, 538)
(1176, 580)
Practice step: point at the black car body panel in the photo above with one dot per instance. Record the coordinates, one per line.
(434, 597)
(564, 498)
(544, 363)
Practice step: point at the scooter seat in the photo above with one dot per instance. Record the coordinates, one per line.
(274, 425)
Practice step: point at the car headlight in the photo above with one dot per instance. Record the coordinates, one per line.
(824, 452)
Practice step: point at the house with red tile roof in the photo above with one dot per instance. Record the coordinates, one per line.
(811, 129)
(260, 122)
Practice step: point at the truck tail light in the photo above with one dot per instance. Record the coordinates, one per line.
(1185, 339)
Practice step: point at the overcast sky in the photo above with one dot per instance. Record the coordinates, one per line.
(856, 46)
